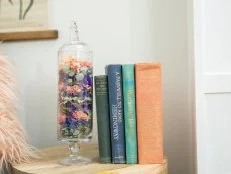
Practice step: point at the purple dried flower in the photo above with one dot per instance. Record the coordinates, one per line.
(85, 81)
(89, 80)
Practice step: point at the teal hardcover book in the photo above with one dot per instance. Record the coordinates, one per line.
(129, 113)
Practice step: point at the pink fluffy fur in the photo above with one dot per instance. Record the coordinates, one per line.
(13, 141)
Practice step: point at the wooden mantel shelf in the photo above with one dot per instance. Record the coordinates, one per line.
(49, 164)
(28, 35)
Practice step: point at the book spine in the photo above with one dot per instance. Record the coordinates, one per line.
(149, 113)
(103, 120)
(129, 113)
(116, 113)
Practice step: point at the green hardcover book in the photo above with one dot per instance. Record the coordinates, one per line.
(102, 109)
(129, 113)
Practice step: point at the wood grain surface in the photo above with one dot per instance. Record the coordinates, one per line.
(48, 164)
(28, 35)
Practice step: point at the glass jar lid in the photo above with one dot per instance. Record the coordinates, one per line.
(74, 43)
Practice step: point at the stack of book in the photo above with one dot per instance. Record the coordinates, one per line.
(129, 114)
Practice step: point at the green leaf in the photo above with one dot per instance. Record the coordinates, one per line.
(76, 132)
(28, 8)
(79, 77)
(89, 71)
(66, 69)
(70, 81)
(71, 74)
(90, 114)
(64, 109)
(11, 2)
(83, 70)
(75, 103)
(20, 9)
(66, 131)
(87, 130)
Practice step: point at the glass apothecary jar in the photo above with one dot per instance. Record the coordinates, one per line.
(75, 96)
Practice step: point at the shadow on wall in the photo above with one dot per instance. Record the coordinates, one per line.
(40, 101)
(169, 36)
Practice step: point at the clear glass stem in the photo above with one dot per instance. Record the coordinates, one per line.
(74, 149)
(74, 158)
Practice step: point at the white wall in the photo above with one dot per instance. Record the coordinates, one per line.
(170, 26)
(118, 31)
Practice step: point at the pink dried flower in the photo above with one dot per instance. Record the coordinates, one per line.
(61, 118)
(70, 62)
(73, 89)
(77, 89)
(80, 115)
(88, 87)
(69, 90)
(61, 86)
(74, 65)
(86, 63)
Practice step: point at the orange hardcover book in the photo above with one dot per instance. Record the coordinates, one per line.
(149, 113)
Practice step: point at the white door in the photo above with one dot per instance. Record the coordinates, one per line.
(212, 33)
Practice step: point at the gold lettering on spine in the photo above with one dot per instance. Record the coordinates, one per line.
(130, 110)
(116, 109)
(115, 122)
(119, 102)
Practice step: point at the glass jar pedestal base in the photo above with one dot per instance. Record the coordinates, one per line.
(74, 158)
(79, 160)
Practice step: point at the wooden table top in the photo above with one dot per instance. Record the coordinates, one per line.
(48, 164)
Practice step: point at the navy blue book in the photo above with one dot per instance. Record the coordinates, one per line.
(115, 86)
